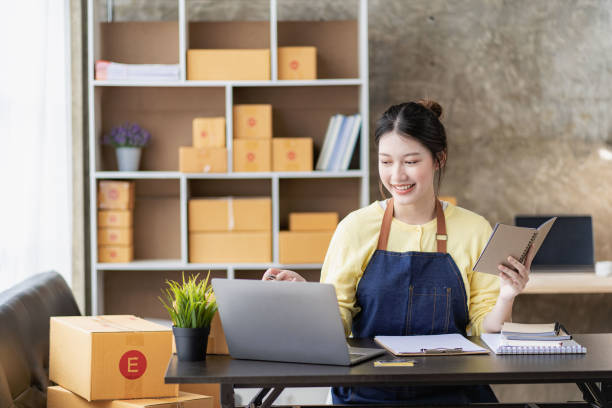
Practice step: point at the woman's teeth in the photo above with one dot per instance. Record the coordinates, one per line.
(404, 187)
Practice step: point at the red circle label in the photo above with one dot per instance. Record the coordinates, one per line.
(252, 122)
(294, 65)
(113, 218)
(132, 364)
(113, 194)
(251, 157)
(204, 134)
(291, 155)
(113, 254)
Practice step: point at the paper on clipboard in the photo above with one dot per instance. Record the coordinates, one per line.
(435, 345)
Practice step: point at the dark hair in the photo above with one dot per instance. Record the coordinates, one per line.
(419, 120)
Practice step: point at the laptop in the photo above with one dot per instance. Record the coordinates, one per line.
(568, 246)
(296, 322)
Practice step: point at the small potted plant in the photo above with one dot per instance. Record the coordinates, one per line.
(128, 140)
(192, 306)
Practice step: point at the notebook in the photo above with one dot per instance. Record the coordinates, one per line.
(530, 331)
(510, 240)
(437, 344)
(497, 344)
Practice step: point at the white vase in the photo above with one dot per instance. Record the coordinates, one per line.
(128, 158)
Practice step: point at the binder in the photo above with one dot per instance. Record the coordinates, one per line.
(496, 343)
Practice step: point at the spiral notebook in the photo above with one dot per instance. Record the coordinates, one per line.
(510, 240)
(496, 343)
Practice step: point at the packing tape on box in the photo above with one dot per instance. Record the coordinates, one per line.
(230, 213)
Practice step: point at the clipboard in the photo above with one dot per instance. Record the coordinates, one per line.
(434, 345)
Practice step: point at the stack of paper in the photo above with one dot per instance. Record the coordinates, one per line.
(437, 344)
(106, 70)
(516, 338)
(339, 143)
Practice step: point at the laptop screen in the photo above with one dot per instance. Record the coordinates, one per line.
(569, 242)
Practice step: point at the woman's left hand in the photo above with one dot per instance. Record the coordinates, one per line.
(513, 281)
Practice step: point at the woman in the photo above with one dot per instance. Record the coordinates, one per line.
(404, 266)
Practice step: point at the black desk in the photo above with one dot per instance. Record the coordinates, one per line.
(592, 372)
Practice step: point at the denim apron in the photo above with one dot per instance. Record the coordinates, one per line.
(411, 293)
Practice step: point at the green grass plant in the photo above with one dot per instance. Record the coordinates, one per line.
(191, 304)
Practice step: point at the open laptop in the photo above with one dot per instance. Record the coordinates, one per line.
(568, 246)
(285, 321)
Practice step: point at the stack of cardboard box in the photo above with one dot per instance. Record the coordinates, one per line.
(256, 150)
(208, 153)
(230, 230)
(115, 221)
(113, 362)
(308, 237)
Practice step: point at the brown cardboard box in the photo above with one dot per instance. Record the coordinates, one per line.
(449, 199)
(110, 357)
(252, 155)
(228, 65)
(297, 63)
(252, 121)
(115, 218)
(313, 221)
(116, 236)
(220, 247)
(209, 132)
(214, 390)
(202, 160)
(58, 397)
(216, 338)
(115, 195)
(109, 254)
(292, 154)
(297, 247)
(230, 214)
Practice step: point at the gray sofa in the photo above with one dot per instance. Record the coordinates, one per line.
(25, 310)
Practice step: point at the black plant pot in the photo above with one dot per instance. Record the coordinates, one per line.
(191, 343)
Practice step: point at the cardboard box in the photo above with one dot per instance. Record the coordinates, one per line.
(220, 247)
(58, 397)
(230, 214)
(252, 121)
(109, 254)
(313, 221)
(115, 195)
(252, 155)
(110, 357)
(216, 338)
(297, 247)
(292, 154)
(297, 63)
(214, 390)
(202, 160)
(228, 65)
(115, 236)
(449, 199)
(209, 132)
(115, 218)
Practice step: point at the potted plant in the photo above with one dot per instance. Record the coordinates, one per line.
(128, 140)
(192, 306)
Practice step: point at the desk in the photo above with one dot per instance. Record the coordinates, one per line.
(583, 369)
(558, 282)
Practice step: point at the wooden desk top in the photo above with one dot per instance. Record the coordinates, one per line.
(553, 282)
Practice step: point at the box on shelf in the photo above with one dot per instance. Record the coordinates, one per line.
(252, 155)
(297, 63)
(115, 218)
(110, 254)
(116, 236)
(202, 160)
(252, 121)
(230, 214)
(110, 357)
(115, 195)
(209, 132)
(297, 247)
(313, 221)
(221, 247)
(292, 154)
(228, 65)
(58, 397)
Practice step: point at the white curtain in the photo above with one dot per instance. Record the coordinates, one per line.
(35, 140)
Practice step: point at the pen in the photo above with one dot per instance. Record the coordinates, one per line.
(442, 350)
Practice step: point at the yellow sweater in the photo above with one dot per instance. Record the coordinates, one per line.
(356, 239)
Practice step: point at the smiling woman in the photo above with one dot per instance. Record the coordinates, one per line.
(404, 266)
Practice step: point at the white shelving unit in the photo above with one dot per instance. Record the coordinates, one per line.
(231, 90)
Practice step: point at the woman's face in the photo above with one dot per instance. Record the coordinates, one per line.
(406, 168)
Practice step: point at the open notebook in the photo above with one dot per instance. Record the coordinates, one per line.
(498, 345)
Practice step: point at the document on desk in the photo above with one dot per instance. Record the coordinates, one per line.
(434, 345)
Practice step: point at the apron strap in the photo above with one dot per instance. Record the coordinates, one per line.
(441, 236)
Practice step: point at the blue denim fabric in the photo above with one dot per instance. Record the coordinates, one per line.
(411, 293)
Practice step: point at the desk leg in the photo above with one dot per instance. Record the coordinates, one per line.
(598, 396)
(227, 396)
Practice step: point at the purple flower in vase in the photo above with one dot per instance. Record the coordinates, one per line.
(127, 135)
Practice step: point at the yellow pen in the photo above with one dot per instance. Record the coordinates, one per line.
(396, 362)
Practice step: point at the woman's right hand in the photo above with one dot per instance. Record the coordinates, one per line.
(282, 275)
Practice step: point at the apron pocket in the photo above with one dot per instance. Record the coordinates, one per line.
(428, 310)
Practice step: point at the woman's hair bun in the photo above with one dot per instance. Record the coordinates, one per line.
(432, 106)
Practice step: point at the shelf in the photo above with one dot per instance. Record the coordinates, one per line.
(100, 175)
(151, 175)
(567, 283)
(177, 265)
(216, 84)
